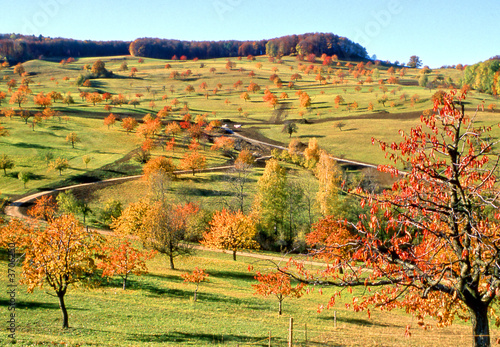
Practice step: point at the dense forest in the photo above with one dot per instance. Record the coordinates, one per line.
(315, 43)
(484, 76)
(18, 48)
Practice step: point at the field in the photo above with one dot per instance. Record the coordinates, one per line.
(157, 308)
(344, 130)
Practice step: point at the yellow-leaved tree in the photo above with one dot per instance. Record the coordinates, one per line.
(231, 231)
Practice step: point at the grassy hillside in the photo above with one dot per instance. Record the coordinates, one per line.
(157, 309)
(344, 129)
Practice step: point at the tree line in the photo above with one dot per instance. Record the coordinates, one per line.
(19, 48)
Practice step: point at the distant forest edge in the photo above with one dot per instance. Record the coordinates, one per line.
(19, 48)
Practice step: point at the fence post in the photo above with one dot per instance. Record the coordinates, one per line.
(290, 333)
(269, 339)
(306, 333)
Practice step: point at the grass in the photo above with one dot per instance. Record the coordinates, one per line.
(107, 147)
(157, 309)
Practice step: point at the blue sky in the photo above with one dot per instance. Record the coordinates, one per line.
(439, 32)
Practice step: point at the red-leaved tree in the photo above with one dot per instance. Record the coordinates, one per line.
(430, 245)
(196, 277)
(123, 260)
(277, 284)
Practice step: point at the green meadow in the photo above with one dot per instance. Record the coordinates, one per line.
(157, 308)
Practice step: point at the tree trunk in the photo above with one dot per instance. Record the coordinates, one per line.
(195, 292)
(171, 255)
(124, 282)
(234, 255)
(62, 305)
(280, 306)
(480, 325)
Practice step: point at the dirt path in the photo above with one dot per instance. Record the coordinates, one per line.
(16, 208)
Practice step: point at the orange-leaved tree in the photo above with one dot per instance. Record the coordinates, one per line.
(45, 208)
(193, 161)
(59, 255)
(277, 284)
(124, 260)
(196, 277)
(431, 244)
(231, 231)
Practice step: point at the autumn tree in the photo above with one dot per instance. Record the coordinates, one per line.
(245, 158)
(305, 100)
(99, 68)
(329, 176)
(19, 97)
(123, 260)
(164, 228)
(431, 243)
(231, 231)
(94, 98)
(42, 100)
(158, 172)
(45, 208)
(224, 143)
(3, 131)
(59, 255)
(19, 69)
(129, 124)
(73, 138)
(245, 96)
(193, 161)
(277, 284)
(110, 120)
(312, 152)
(196, 277)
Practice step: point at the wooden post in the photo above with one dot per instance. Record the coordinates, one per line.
(290, 333)
(306, 332)
(269, 339)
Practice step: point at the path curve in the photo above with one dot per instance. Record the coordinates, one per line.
(14, 208)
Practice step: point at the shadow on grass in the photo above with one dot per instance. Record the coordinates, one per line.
(40, 305)
(30, 145)
(308, 136)
(242, 276)
(204, 192)
(195, 338)
(358, 321)
(157, 291)
(170, 278)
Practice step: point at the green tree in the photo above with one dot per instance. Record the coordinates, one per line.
(59, 164)
(290, 128)
(415, 62)
(423, 80)
(271, 201)
(6, 163)
(25, 177)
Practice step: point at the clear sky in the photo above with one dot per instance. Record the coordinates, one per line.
(439, 32)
